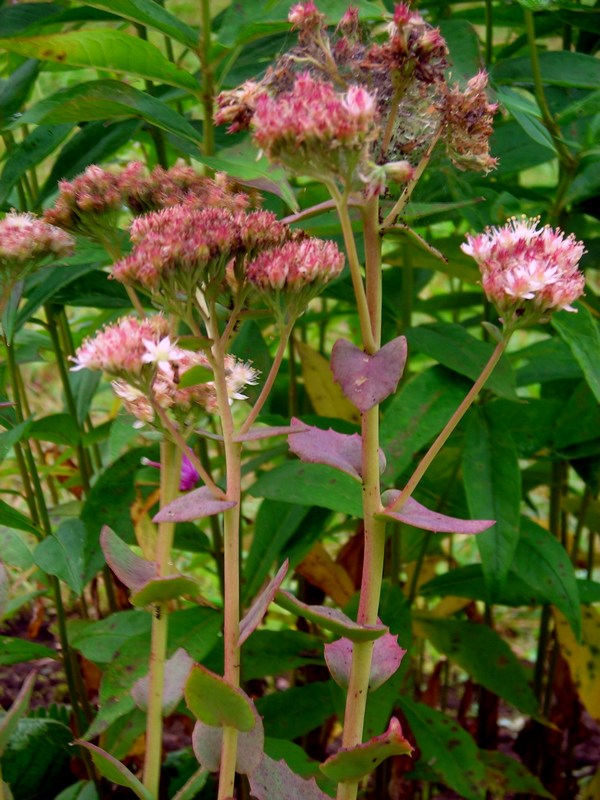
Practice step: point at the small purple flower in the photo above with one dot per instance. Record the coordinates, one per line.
(188, 478)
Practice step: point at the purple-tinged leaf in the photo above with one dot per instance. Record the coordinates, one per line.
(164, 588)
(387, 656)
(413, 513)
(193, 505)
(207, 740)
(351, 764)
(340, 450)
(130, 569)
(331, 619)
(265, 433)
(10, 720)
(274, 779)
(258, 609)
(177, 670)
(112, 769)
(367, 380)
(214, 701)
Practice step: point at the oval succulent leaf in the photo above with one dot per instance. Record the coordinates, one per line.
(214, 701)
(259, 607)
(387, 657)
(353, 763)
(367, 380)
(207, 741)
(177, 669)
(193, 505)
(132, 570)
(331, 619)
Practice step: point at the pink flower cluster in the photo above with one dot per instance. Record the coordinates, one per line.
(84, 203)
(299, 268)
(148, 367)
(313, 127)
(528, 272)
(181, 248)
(25, 240)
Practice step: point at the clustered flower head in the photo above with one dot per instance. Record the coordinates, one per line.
(90, 204)
(179, 184)
(304, 113)
(288, 277)
(528, 272)
(147, 366)
(27, 242)
(313, 128)
(468, 125)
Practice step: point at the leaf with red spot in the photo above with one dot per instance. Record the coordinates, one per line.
(413, 513)
(367, 380)
(340, 450)
(387, 656)
(351, 764)
(193, 505)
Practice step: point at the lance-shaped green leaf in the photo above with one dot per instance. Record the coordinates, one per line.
(254, 434)
(193, 505)
(130, 569)
(150, 13)
(331, 619)
(214, 701)
(192, 786)
(10, 437)
(274, 779)
(493, 487)
(499, 671)
(14, 519)
(207, 741)
(102, 99)
(14, 650)
(112, 769)
(70, 554)
(341, 450)
(367, 380)
(386, 658)
(177, 670)
(19, 707)
(354, 763)
(104, 49)
(163, 588)
(447, 748)
(413, 513)
(258, 609)
(580, 331)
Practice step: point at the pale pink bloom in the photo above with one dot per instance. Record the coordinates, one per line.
(526, 271)
(239, 374)
(88, 204)
(296, 266)
(26, 241)
(305, 16)
(160, 353)
(135, 402)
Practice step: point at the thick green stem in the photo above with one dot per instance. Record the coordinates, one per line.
(170, 462)
(449, 427)
(231, 554)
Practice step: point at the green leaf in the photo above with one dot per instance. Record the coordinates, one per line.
(57, 428)
(196, 375)
(16, 19)
(103, 49)
(275, 652)
(469, 581)
(578, 420)
(82, 790)
(10, 720)
(14, 90)
(456, 349)
(312, 705)
(527, 113)
(417, 414)
(103, 99)
(216, 702)
(147, 12)
(463, 43)
(505, 775)
(447, 748)
(542, 562)
(354, 763)
(37, 758)
(493, 485)
(580, 332)
(500, 670)
(70, 554)
(14, 551)
(161, 590)
(100, 641)
(10, 437)
(310, 484)
(29, 153)
(14, 519)
(112, 769)
(14, 651)
(559, 68)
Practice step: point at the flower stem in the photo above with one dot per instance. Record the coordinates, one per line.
(170, 459)
(449, 427)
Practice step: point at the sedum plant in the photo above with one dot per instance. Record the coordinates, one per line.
(361, 110)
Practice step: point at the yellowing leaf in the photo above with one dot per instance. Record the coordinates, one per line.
(145, 530)
(321, 570)
(325, 395)
(583, 657)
